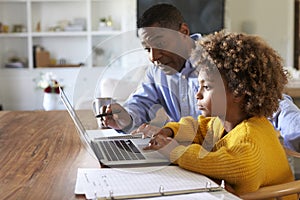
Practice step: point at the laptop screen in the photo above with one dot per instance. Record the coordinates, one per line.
(85, 139)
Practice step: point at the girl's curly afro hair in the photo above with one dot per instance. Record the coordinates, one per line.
(249, 67)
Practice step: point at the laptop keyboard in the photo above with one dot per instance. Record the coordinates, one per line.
(121, 150)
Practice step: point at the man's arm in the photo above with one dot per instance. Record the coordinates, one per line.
(287, 121)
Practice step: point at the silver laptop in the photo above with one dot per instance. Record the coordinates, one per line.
(116, 151)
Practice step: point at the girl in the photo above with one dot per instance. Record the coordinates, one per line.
(241, 81)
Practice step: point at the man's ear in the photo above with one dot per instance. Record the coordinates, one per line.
(184, 29)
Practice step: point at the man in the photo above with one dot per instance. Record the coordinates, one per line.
(171, 82)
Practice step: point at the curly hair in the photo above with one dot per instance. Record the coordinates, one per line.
(167, 15)
(248, 66)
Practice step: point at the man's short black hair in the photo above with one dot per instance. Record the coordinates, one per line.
(166, 15)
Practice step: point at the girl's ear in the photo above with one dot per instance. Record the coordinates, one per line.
(238, 99)
(184, 29)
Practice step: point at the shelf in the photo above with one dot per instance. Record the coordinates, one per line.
(63, 34)
(100, 33)
(13, 35)
(61, 66)
(37, 17)
(41, 20)
(56, 1)
(13, 1)
(9, 19)
(58, 34)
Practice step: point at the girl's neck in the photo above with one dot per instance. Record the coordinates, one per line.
(232, 122)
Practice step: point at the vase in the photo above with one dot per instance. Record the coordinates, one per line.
(50, 101)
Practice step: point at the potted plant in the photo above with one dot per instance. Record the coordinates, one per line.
(50, 85)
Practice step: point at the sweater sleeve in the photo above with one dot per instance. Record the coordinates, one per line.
(187, 129)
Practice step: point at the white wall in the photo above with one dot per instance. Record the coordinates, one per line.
(18, 90)
(271, 19)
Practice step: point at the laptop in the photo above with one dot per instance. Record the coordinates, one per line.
(120, 150)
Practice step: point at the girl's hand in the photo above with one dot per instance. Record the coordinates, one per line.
(162, 143)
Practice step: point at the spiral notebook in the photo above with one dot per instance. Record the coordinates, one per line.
(127, 183)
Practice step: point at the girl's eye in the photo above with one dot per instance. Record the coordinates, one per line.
(206, 87)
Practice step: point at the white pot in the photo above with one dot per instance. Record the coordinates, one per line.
(50, 101)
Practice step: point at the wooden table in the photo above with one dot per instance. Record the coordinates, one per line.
(40, 153)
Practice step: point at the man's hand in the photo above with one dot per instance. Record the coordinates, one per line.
(117, 117)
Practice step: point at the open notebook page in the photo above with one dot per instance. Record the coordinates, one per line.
(135, 182)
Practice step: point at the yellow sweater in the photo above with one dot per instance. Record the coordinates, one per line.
(248, 157)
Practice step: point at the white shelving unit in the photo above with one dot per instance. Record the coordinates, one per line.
(72, 46)
(17, 88)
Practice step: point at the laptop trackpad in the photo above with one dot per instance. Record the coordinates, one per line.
(141, 143)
